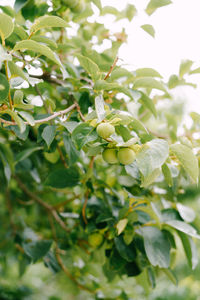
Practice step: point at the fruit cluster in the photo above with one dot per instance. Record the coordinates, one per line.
(76, 6)
(124, 155)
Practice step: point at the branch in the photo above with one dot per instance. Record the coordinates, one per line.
(47, 119)
(111, 68)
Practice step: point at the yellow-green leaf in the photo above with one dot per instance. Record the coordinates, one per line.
(89, 66)
(48, 21)
(154, 4)
(16, 71)
(149, 83)
(6, 26)
(121, 225)
(149, 29)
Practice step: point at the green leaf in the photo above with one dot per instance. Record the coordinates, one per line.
(72, 152)
(17, 119)
(171, 275)
(187, 159)
(146, 101)
(83, 134)
(110, 10)
(19, 30)
(167, 174)
(195, 71)
(190, 250)
(107, 86)
(130, 11)
(98, 4)
(37, 249)
(6, 26)
(121, 225)
(183, 227)
(91, 68)
(18, 96)
(48, 134)
(48, 21)
(26, 153)
(6, 166)
(147, 72)
(152, 156)
(157, 246)
(4, 55)
(185, 67)
(127, 252)
(149, 29)
(44, 40)
(38, 48)
(4, 87)
(19, 4)
(186, 213)
(124, 132)
(27, 117)
(149, 179)
(99, 107)
(63, 178)
(154, 4)
(16, 71)
(137, 125)
(149, 83)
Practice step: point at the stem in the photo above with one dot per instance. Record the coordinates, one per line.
(9, 95)
(111, 68)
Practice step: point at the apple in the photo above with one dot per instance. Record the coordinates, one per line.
(126, 156)
(95, 239)
(110, 156)
(105, 130)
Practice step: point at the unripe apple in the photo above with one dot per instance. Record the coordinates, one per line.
(79, 7)
(105, 130)
(126, 156)
(70, 3)
(95, 239)
(110, 156)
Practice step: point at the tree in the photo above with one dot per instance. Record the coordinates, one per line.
(90, 186)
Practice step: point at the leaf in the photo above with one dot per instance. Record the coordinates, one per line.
(149, 83)
(157, 246)
(48, 134)
(147, 72)
(63, 178)
(17, 119)
(107, 86)
(37, 249)
(121, 225)
(6, 166)
(72, 152)
(83, 134)
(149, 179)
(190, 250)
(127, 252)
(99, 107)
(48, 21)
(4, 87)
(16, 71)
(26, 153)
(167, 174)
(28, 117)
(130, 11)
(98, 4)
(183, 227)
(19, 4)
(110, 10)
(187, 159)
(6, 26)
(44, 40)
(185, 67)
(170, 274)
(19, 30)
(137, 125)
(154, 4)
(149, 29)
(195, 71)
(91, 68)
(186, 213)
(152, 156)
(146, 101)
(38, 48)
(133, 170)
(4, 55)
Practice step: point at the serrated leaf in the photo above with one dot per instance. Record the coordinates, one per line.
(186, 213)
(187, 159)
(28, 117)
(63, 178)
(154, 4)
(91, 68)
(84, 134)
(99, 107)
(190, 250)
(183, 227)
(48, 134)
(6, 26)
(48, 21)
(4, 87)
(121, 225)
(185, 67)
(149, 83)
(152, 156)
(16, 71)
(146, 101)
(38, 48)
(149, 29)
(147, 72)
(157, 246)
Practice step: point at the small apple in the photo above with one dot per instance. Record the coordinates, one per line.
(126, 156)
(110, 156)
(95, 239)
(105, 130)
(79, 7)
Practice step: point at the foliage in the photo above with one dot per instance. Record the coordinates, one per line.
(99, 220)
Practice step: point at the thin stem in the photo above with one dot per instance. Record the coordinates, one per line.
(111, 68)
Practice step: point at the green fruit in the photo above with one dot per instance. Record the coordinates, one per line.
(105, 130)
(79, 7)
(95, 239)
(70, 3)
(110, 156)
(126, 156)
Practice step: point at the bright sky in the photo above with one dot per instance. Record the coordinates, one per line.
(177, 31)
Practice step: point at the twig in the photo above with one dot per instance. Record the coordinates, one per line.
(80, 113)
(111, 68)
(47, 119)
(48, 207)
(58, 205)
